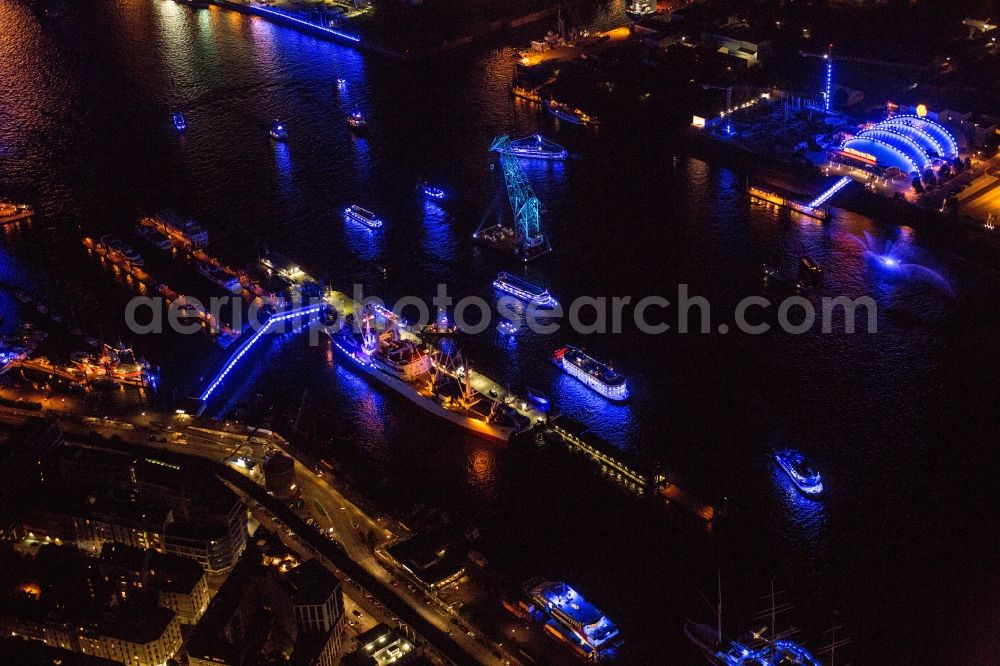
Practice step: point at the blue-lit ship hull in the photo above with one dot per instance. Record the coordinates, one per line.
(798, 469)
(592, 372)
(524, 291)
(537, 147)
(365, 217)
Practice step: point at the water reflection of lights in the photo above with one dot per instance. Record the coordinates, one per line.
(366, 244)
(367, 407)
(481, 467)
(283, 162)
(895, 259)
(609, 420)
(808, 514)
(439, 238)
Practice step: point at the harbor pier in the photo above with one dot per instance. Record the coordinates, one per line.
(636, 476)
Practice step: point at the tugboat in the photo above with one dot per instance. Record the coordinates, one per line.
(357, 122)
(442, 326)
(179, 123)
(278, 132)
(800, 471)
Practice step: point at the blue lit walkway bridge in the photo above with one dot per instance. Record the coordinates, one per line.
(301, 315)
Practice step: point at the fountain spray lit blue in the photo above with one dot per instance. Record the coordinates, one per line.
(896, 260)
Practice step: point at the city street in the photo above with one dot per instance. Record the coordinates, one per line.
(189, 435)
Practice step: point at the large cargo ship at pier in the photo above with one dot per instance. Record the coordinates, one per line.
(424, 376)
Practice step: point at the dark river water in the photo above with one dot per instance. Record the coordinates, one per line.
(901, 422)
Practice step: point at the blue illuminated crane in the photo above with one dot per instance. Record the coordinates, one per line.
(528, 237)
(829, 57)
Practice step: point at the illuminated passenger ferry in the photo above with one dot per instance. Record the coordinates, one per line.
(583, 627)
(592, 372)
(365, 217)
(524, 290)
(800, 471)
(538, 147)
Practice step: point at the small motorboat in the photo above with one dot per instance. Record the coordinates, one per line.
(180, 124)
(357, 121)
(507, 327)
(278, 132)
(341, 83)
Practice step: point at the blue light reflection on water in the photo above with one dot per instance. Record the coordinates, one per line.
(610, 420)
(439, 243)
(253, 75)
(364, 243)
(283, 163)
(805, 518)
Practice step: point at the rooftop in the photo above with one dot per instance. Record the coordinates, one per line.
(311, 583)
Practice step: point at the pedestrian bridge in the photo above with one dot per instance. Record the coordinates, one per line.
(305, 313)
